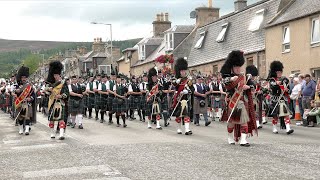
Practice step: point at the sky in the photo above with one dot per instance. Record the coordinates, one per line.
(70, 20)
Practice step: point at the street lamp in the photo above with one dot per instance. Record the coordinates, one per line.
(110, 37)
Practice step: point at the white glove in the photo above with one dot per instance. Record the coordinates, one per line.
(178, 81)
(185, 91)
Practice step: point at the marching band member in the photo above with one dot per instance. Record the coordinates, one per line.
(200, 103)
(143, 89)
(216, 90)
(96, 95)
(164, 94)
(102, 102)
(58, 99)
(239, 113)
(119, 104)
(257, 94)
(90, 97)
(279, 97)
(110, 84)
(25, 101)
(134, 97)
(181, 101)
(75, 102)
(153, 99)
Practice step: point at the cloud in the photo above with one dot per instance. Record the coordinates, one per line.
(69, 20)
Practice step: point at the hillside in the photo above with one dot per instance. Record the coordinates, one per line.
(13, 52)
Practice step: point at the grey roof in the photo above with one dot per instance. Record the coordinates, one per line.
(159, 51)
(86, 56)
(181, 29)
(151, 41)
(184, 48)
(237, 36)
(121, 59)
(298, 9)
(88, 60)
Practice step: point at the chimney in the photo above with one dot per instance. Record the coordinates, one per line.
(161, 24)
(206, 15)
(240, 5)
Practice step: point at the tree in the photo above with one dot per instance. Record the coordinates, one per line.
(32, 62)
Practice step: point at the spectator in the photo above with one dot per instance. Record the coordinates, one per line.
(313, 117)
(302, 82)
(291, 85)
(308, 92)
(295, 94)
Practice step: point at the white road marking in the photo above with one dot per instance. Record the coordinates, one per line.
(103, 169)
(38, 146)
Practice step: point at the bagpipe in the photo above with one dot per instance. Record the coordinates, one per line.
(21, 100)
(56, 104)
(153, 92)
(283, 108)
(234, 100)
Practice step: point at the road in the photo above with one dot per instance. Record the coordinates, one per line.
(106, 152)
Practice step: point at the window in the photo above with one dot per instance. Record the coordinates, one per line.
(249, 61)
(222, 33)
(142, 52)
(105, 69)
(215, 69)
(169, 41)
(200, 41)
(315, 31)
(286, 39)
(257, 21)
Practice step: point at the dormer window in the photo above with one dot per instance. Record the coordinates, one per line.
(200, 41)
(169, 41)
(222, 33)
(257, 21)
(142, 52)
(286, 39)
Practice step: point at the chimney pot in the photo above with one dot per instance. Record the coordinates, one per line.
(158, 17)
(209, 3)
(162, 17)
(166, 17)
(240, 5)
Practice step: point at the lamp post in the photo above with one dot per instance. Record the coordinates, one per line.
(110, 37)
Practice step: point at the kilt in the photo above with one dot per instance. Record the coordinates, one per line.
(143, 102)
(90, 101)
(196, 107)
(85, 101)
(134, 102)
(119, 105)
(75, 106)
(164, 106)
(149, 108)
(45, 101)
(186, 111)
(63, 114)
(96, 99)
(103, 102)
(109, 103)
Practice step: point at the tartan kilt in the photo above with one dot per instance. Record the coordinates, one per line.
(109, 103)
(196, 107)
(164, 106)
(186, 111)
(143, 103)
(63, 114)
(103, 103)
(75, 109)
(45, 101)
(134, 102)
(97, 101)
(90, 101)
(119, 107)
(85, 101)
(149, 107)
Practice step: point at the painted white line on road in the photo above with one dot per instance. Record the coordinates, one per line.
(111, 178)
(38, 146)
(68, 171)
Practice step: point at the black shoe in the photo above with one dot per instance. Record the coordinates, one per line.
(245, 145)
(149, 127)
(89, 117)
(97, 118)
(232, 143)
(290, 131)
(68, 123)
(118, 125)
(208, 123)
(27, 133)
(73, 125)
(80, 126)
(61, 138)
(124, 125)
(110, 122)
(264, 122)
(187, 133)
(179, 133)
(259, 127)
(101, 121)
(159, 128)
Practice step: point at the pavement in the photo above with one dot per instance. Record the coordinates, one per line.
(106, 152)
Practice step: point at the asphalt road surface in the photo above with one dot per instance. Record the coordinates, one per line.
(106, 152)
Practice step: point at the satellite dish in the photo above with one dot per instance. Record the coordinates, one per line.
(193, 14)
